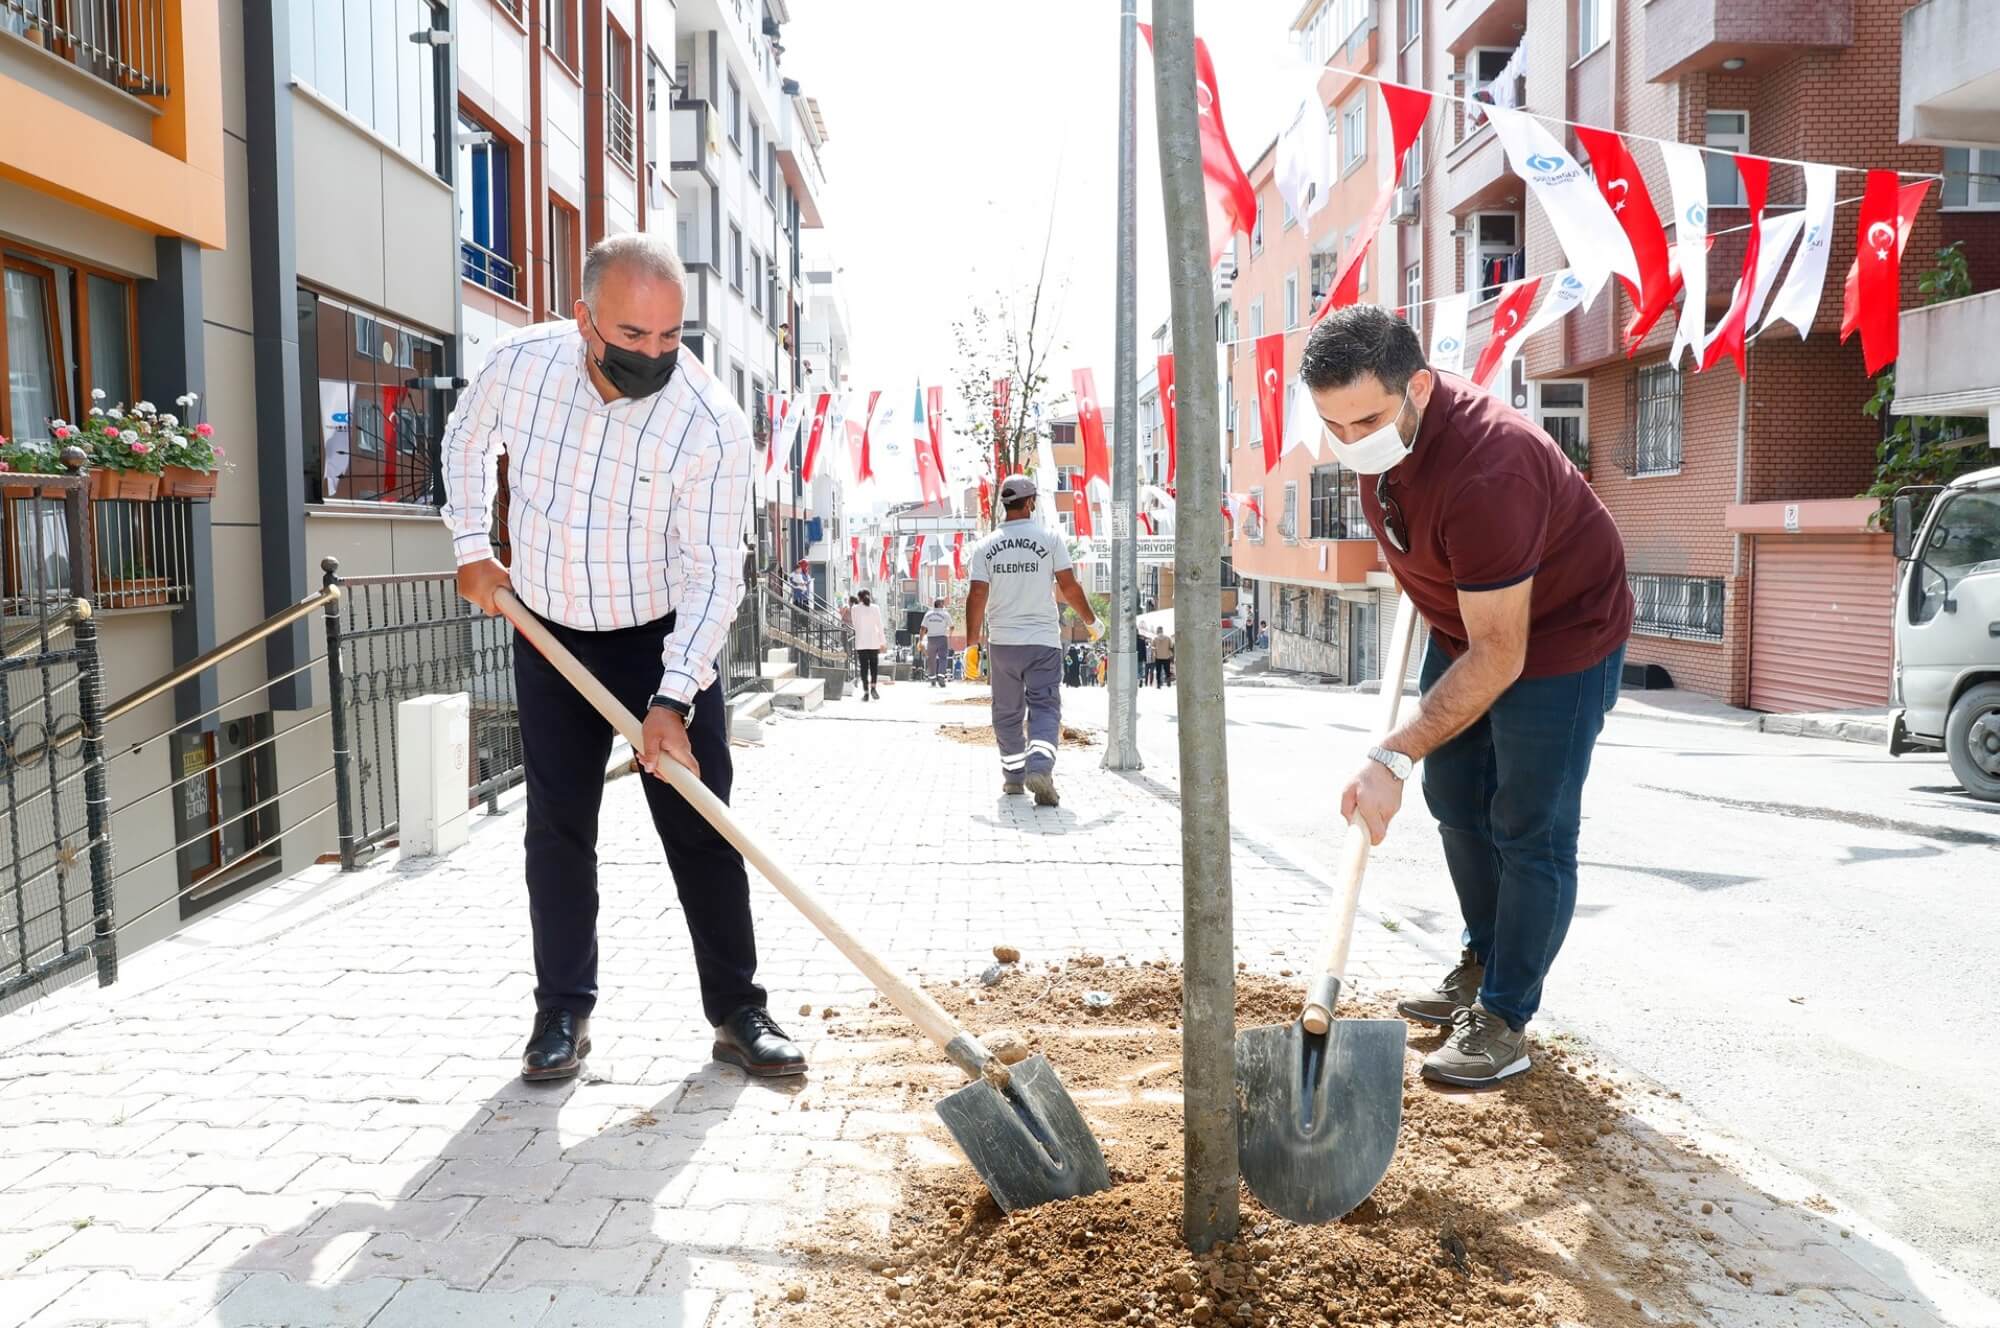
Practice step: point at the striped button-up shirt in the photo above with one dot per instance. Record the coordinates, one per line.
(619, 512)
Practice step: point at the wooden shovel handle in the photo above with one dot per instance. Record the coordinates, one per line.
(915, 1003)
(1317, 1016)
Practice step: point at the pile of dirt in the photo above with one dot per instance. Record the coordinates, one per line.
(981, 735)
(1485, 1218)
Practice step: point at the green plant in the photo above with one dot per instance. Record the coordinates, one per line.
(1920, 449)
(29, 457)
(144, 438)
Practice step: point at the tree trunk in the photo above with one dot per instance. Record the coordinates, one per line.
(1208, 1024)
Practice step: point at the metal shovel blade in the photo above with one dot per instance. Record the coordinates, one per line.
(1027, 1141)
(1317, 1114)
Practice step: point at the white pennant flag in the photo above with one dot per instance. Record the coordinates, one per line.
(1775, 238)
(1448, 332)
(1302, 422)
(1687, 173)
(1797, 301)
(1566, 292)
(1045, 485)
(1306, 168)
(1593, 241)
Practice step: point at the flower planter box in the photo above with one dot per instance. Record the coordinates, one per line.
(134, 592)
(128, 485)
(13, 490)
(180, 482)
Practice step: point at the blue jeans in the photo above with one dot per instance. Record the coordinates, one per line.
(1508, 797)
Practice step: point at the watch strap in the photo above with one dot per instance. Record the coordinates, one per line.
(1396, 763)
(681, 708)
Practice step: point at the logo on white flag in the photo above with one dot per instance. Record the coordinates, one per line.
(1449, 345)
(1697, 215)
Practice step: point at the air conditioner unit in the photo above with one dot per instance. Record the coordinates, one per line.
(1403, 206)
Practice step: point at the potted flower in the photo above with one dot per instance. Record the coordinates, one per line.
(124, 449)
(191, 458)
(25, 457)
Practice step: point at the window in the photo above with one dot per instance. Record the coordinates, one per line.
(1291, 300)
(1288, 519)
(1686, 607)
(1257, 231)
(1257, 317)
(1325, 262)
(359, 56)
(659, 89)
(370, 435)
(564, 273)
(1593, 25)
(1485, 66)
(1413, 296)
(734, 110)
(1964, 541)
(1730, 131)
(1347, 243)
(65, 332)
(1253, 524)
(1353, 134)
(1658, 422)
(756, 153)
(1563, 416)
(486, 211)
(1971, 178)
(1335, 505)
(620, 139)
(757, 282)
(222, 820)
(1413, 20)
(559, 31)
(736, 257)
(771, 172)
(1497, 255)
(736, 383)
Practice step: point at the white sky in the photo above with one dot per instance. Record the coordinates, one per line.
(954, 128)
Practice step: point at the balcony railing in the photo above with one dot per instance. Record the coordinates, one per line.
(496, 272)
(144, 553)
(620, 143)
(122, 42)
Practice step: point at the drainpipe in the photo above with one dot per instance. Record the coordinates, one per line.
(1742, 431)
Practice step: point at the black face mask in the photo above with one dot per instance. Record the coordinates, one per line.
(634, 374)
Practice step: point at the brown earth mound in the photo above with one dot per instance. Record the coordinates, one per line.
(1488, 1216)
(981, 735)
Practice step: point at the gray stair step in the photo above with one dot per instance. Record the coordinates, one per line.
(800, 694)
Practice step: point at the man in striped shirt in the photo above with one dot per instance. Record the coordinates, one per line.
(629, 490)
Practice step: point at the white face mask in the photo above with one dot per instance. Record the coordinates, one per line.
(1381, 450)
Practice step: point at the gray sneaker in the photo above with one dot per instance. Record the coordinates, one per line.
(1481, 1051)
(1044, 789)
(1012, 786)
(1459, 989)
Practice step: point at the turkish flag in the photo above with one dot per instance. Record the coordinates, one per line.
(1079, 509)
(985, 498)
(958, 555)
(934, 417)
(1873, 295)
(916, 556)
(1232, 203)
(1271, 395)
(1649, 313)
(1508, 316)
(1169, 414)
(854, 556)
(1090, 429)
(1001, 393)
(883, 575)
(820, 404)
(1407, 109)
(930, 476)
(864, 470)
(1624, 189)
(1727, 338)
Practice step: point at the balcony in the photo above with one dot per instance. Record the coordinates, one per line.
(621, 143)
(701, 284)
(1951, 74)
(123, 43)
(1694, 36)
(483, 267)
(1946, 365)
(1470, 23)
(1477, 175)
(141, 553)
(696, 148)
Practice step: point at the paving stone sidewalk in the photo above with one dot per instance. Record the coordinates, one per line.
(305, 1111)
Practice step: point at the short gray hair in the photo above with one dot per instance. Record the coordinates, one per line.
(651, 255)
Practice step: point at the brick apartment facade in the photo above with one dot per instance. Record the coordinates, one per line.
(1759, 581)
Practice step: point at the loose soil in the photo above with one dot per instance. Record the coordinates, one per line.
(981, 735)
(1490, 1215)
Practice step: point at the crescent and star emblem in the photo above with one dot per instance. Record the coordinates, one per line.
(1513, 321)
(1621, 187)
(1271, 379)
(1881, 236)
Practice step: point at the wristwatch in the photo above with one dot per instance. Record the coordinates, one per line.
(684, 709)
(1396, 763)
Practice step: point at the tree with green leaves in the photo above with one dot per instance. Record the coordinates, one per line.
(1924, 449)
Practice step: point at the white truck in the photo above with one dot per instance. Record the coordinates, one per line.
(1946, 689)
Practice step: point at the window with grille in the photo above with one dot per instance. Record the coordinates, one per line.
(621, 140)
(1658, 425)
(487, 244)
(1684, 607)
(1329, 618)
(1253, 523)
(1288, 519)
(1971, 178)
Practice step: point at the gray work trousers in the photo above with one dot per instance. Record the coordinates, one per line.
(1027, 708)
(938, 661)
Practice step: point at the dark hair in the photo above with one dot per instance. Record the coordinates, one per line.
(1019, 503)
(865, 599)
(1357, 340)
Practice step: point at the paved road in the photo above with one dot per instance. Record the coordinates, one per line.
(1796, 934)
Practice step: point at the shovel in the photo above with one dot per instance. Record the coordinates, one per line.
(1015, 1123)
(1319, 1101)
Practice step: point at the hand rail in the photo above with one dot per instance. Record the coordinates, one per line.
(277, 622)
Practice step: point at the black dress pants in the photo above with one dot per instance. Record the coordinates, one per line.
(565, 745)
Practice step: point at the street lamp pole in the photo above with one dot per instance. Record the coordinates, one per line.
(1121, 750)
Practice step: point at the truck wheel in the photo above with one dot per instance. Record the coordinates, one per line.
(1972, 740)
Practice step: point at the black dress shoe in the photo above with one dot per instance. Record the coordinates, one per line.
(559, 1043)
(750, 1038)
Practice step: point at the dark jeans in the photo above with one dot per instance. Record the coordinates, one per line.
(565, 744)
(871, 666)
(1508, 797)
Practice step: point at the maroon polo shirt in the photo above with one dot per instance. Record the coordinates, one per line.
(1488, 500)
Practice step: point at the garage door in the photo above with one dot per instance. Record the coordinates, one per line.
(1821, 612)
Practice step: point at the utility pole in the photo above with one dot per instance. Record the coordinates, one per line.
(1121, 748)
(1208, 1023)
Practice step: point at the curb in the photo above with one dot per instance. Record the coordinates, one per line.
(1873, 732)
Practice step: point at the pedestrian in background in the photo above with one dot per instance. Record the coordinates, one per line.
(1163, 659)
(1017, 572)
(869, 642)
(847, 613)
(937, 643)
(802, 585)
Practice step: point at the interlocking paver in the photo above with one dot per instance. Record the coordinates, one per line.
(28, 1293)
(146, 1253)
(271, 1298)
(434, 1305)
(458, 1260)
(116, 1297)
(224, 1207)
(135, 1210)
(579, 1307)
(620, 1269)
(574, 1223)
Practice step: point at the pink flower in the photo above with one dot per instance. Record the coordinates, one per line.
(4, 466)
(219, 453)
(142, 448)
(205, 430)
(61, 434)
(108, 433)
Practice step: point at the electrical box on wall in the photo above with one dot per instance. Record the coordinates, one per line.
(432, 773)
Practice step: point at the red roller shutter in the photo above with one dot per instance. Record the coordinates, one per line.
(1821, 615)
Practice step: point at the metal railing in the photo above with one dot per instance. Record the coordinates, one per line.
(396, 637)
(812, 630)
(122, 42)
(1688, 608)
(620, 142)
(496, 272)
(742, 662)
(143, 552)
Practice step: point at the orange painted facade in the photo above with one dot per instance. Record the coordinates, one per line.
(170, 185)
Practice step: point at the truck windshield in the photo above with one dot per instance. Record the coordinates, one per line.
(1965, 539)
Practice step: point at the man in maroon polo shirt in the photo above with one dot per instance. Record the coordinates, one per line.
(1519, 572)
